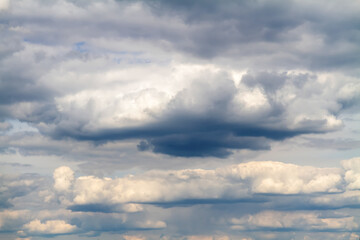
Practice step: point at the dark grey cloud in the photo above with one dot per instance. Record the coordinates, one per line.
(335, 143)
(251, 33)
(115, 223)
(15, 88)
(102, 208)
(270, 82)
(215, 203)
(105, 208)
(15, 187)
(20, 79)
(191, 136)
(234, 26)
(350, 102)
(205, 144)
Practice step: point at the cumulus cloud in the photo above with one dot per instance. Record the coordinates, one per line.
(4, 4)
(210, 117)
(128, 237)
(352, 174)
(192, 186)
(49, 227)
(63, 178)
(282, 178)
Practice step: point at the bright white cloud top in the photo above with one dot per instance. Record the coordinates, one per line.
(179, 119)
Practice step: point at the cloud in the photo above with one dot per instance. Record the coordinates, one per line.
(106, 208)
(201, 237)
(120, 223)
(128, 237)
(352, 174)
(17, 186)
(4, 5)
(151, 188)
(49, 227)
(334, 143)
(4, 126)
(282, 178)
(63, 177)
(284, 221)
(199, 186)
(290, 35)
(207, 238)
(211, 117)
(10, 220)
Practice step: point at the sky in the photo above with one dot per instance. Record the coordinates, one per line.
(179, 119)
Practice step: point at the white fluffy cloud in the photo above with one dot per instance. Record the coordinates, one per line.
(63, 178)
(4, 4)
(233, 182)
(352, 174)
(129, 237)
(207, 238)
(161, 187)
(49, 227)
(282, 178)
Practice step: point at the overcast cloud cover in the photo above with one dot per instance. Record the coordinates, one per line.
(177, 119)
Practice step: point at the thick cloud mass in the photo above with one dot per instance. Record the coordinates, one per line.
(179, 119)
(49, 227)
(236, 182)
(209, 118)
